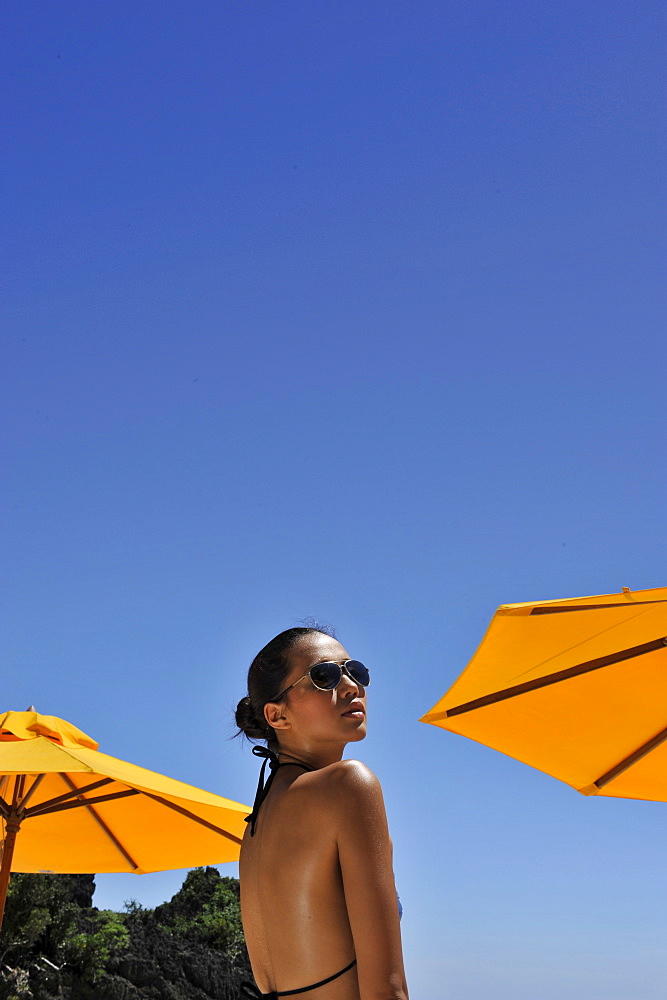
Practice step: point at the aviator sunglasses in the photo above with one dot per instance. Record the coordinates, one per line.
(327, 675)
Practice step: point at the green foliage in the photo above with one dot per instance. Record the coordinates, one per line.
(132, 907)
(54, 945)
(41, 914)
(206, 909)
(49, 927)
(89, 952)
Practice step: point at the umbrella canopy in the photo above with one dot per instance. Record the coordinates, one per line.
(576, 688)
(66, 807)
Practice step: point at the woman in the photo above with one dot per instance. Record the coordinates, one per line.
(318, 901)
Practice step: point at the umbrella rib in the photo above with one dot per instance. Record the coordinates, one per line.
(631, 759)
(29, 794)
(98, 819)
(41, 811)
(45, 806)
(587, 607)
(555, 678)
(4, 806)
(193, 816)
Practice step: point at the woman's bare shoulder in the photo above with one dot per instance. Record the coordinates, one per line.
(345, 785)
(350, 772)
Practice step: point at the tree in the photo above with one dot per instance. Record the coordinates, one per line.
(51, 932)
(206, 909)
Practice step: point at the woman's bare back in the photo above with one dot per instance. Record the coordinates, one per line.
(292, 895)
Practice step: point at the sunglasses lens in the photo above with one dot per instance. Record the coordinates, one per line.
(358, 672)
(326, 676)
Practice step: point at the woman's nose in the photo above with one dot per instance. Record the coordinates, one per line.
(349, 680)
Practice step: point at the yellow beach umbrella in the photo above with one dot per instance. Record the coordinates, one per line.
(66, 807)
(576, 688)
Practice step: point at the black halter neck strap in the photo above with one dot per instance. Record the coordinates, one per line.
(270, 758)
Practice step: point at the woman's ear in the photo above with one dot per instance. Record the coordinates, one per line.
(273, 713)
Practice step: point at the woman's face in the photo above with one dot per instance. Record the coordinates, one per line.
(314, 715)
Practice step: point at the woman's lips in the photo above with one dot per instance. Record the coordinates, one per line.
(356, 710)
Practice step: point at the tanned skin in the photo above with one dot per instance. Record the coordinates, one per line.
(317, 886)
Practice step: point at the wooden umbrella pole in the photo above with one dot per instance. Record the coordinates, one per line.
(11, 829)
(12, 826)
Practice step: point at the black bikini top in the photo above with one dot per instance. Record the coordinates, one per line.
(263, 789)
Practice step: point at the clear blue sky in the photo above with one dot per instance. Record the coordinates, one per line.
(353, 311)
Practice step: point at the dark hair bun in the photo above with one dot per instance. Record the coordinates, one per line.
(248, 722)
